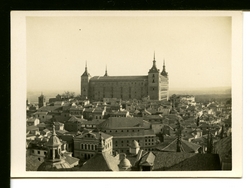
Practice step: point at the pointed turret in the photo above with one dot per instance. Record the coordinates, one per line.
(85, 83)
(154, 68)
(106, 72)
(86, 70)
(164, 73)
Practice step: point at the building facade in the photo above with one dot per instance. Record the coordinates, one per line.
(86, 145)
(155, 85)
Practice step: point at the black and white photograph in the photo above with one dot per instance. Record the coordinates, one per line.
(126, 92)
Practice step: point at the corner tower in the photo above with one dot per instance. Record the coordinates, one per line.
(41, 101)
(154, 82)
(164, 85)
(85, 83)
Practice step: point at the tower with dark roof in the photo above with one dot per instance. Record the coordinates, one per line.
(163, 72)
(164, 89)
(153, 82)
(106, 71)
(41, 101)
(85, 83)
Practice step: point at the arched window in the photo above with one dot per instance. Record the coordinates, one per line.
(153, 81)
(153, 76)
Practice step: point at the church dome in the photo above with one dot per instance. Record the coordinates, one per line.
(48, 166)
(54, 141)
(125, 163)
(135, 144)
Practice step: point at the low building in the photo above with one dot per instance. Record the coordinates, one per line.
(32, 121)
(125, 130)
(86, 144)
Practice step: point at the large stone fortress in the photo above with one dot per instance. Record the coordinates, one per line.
(154, 85)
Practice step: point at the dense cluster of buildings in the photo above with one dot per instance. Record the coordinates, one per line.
(132, 131)
(118, 130)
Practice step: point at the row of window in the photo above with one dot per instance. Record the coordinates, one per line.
(39, 152)
(94, 146)
(121, 131)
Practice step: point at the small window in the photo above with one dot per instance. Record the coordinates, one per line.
(38, 152)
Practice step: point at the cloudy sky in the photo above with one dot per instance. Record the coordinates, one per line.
(197, 50)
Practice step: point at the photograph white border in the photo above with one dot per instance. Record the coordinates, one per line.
(18, 95)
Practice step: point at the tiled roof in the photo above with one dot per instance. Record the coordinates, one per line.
(32, 163)
(186, 146)
(41, 125)
(49, 108)
(31, 128)
(71, 160)
(148, 159)
(121, 122)
(181, 161)
(149, 132)
(96, 133)
(101, 162)
(47, 166)
(31, 119)
(224, 148)
(40, 113)
(115, 78)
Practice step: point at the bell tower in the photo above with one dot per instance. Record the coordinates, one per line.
(153, 82)
(41, 101)
(85, 83)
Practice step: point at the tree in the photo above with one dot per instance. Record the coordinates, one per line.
(68, 95)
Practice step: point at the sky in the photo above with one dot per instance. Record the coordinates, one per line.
(196, 50)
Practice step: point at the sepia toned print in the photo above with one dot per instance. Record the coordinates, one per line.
(130, 92)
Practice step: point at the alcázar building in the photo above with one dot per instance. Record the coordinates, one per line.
(155, 85)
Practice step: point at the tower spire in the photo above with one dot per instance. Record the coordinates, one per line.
(106, 71)
(154, 68)
(86, 70)
(154, 59)
(164, 73)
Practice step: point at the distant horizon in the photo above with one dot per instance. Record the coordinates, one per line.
(225, 90)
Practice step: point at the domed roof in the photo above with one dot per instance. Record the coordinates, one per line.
(54, 140)
(135, 144)
(125, 163)
(48, 166)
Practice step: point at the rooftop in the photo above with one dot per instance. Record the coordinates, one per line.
(119, 78)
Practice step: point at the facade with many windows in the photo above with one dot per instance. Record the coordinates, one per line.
(126, 130)
(86, 145)
(155, 85)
